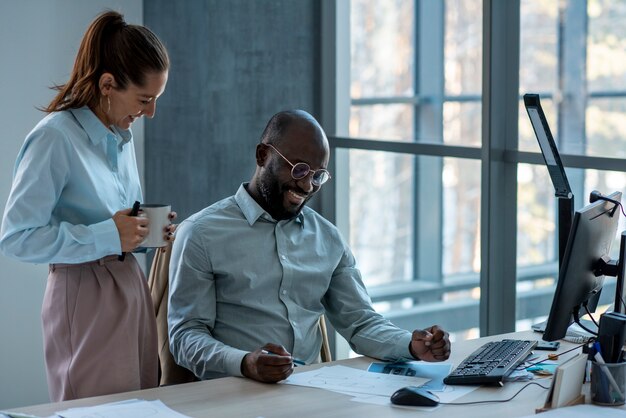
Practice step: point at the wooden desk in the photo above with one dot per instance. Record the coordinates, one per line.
(241, 397)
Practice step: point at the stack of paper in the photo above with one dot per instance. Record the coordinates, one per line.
(132, 408)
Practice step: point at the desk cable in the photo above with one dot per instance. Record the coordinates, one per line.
(496, 400)
(526, 366)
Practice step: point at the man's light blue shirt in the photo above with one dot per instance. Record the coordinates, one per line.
(71, 175)
(239, 279)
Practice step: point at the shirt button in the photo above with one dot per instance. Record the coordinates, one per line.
(283, 257)
(284, 292)
(294, 323)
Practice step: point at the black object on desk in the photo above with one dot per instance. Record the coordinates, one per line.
(548, 345)
(611, 335)
(491, 363)
(414, 396)
(133, 212)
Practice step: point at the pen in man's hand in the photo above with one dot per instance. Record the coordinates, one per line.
(296, 362)
(133, 212)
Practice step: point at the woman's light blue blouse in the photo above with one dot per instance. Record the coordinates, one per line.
(71, 175)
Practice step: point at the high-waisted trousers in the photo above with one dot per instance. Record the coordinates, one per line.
(99, 329)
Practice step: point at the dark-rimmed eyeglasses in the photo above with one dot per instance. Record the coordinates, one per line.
(301, 170)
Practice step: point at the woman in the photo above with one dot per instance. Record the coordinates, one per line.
(75, 180)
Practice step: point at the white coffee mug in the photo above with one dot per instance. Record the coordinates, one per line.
(158, 215)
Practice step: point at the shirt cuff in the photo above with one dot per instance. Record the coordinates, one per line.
(106, 237)
(403, 348)
(232, 361)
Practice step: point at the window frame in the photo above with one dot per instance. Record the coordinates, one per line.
(498, 154)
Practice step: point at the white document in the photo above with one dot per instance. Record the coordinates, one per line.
(126, 409)
(7, 414)
(349, 380)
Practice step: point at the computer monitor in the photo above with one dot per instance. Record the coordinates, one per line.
(579, 285)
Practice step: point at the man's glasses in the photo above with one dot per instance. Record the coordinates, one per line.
(301, 170)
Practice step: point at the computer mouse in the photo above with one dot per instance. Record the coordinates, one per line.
(414, 396)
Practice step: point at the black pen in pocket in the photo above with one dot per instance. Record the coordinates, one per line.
(133, 212)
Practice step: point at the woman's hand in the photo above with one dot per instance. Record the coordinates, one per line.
(170, 230)
(132, 229)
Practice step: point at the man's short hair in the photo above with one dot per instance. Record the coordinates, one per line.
(278, 124)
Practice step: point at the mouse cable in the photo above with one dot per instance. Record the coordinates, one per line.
(524, 367)
(496, 400)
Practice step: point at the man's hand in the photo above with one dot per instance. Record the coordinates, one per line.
(431, 344)
(270, 364)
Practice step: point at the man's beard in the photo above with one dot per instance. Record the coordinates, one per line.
(274, 198)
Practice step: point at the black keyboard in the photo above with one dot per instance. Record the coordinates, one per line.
(490, 363)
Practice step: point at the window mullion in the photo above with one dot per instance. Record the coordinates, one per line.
(499, 178)
(429, 86)
(573, 87)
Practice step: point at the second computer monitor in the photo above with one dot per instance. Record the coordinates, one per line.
(591, 237)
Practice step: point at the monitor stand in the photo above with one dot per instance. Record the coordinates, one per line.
(615, 268)
(565, 218)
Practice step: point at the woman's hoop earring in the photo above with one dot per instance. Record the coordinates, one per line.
(106, 112)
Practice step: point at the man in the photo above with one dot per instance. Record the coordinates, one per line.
(251, 274)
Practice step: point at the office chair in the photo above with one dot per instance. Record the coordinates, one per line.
(325, 355)
(158, 283)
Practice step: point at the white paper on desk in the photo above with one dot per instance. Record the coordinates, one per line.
(347, 379)
(8, 414)
(125, 409)
(582, 411)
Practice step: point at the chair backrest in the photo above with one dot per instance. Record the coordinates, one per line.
(325, 355)
(158, 282)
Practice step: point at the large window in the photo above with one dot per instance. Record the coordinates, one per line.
(572, 54)
(421, 174)
(416, 79)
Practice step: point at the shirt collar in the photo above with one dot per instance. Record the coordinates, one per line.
(95, 129)
(252, 211)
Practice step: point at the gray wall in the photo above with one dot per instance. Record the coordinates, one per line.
(38, 43)
(234, 64)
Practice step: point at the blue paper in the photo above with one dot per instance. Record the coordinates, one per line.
(433, 371)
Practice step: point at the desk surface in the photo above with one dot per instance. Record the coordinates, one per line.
(240, 397)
